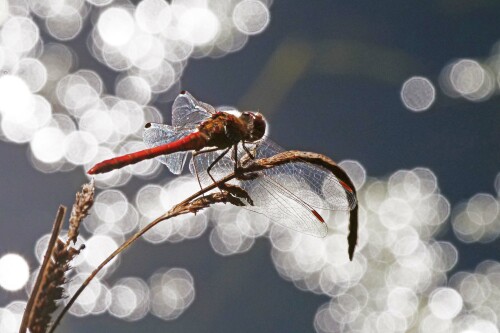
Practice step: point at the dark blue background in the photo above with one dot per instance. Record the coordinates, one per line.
(341, 111)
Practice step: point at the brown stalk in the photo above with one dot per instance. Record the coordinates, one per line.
(234, 195)
(187, 206)
(49, 284)
(42, 274)
(81, 207)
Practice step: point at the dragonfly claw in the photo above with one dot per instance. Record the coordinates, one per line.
(237, 192)
(241, 174)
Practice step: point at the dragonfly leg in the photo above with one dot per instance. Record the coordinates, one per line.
(244, 161)
(196, 153)
(212, 164)
(215, 162)
(245, 148)
(235, 157)
(250, 155)
(240, 170)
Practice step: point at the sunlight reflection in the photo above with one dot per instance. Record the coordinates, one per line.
(418, 94)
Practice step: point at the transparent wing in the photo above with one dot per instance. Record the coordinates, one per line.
(187, 112)
(160, 134)
(325, 189)
(286, 193)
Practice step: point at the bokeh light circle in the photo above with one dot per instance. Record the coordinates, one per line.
(172, 292)
(467, 76)
(16, 100)
(130, 299)
(355, 171)
(199, 26)
(418, 93)
(445, 303)
(153, 16)
(65, 25)
(116, 26)
(80, 147)
(14, 272)
(134, 88)
(251, 16)
(48, 144)
(32, 72)
(20, 34)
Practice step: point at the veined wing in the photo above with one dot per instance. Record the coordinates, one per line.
(269, 198)
(320, 182)
(321, 189)
(160, 134)
(286, 193)
(284, 207)
(187, 112)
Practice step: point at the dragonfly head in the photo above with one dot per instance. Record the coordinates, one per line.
(256, 125)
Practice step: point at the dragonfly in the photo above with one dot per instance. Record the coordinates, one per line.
(287, 194)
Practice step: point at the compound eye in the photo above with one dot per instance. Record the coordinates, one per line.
(249, 114)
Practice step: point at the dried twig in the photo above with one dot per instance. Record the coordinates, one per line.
(49, 285)
(83, 203)
(35, 294)
(190, 206)
(234, 195)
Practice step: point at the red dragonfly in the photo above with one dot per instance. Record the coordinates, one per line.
(288, 194)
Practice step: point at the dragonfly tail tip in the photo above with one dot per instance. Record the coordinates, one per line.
(94, 170)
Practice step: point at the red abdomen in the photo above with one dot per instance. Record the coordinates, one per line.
(193, 141)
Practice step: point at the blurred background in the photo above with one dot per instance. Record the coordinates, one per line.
(403, 94)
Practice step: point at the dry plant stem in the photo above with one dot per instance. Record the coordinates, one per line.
(35, 294)
(49, 285)
(187, 206)
(83, 202)
(184, 207)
